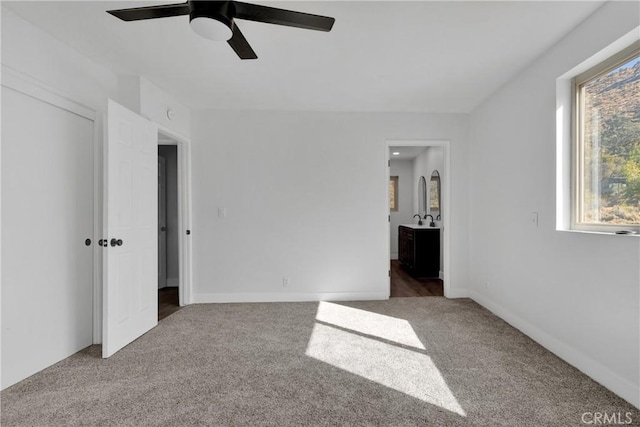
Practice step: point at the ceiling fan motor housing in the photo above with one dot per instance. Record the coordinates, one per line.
(221, 11)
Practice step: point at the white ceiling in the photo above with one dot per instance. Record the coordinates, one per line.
(406, 153)
(421, 56)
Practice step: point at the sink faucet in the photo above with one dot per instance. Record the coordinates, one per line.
(431, 224)
(419, 219)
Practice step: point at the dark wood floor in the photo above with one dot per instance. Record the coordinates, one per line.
(403, 285)
(168, 302)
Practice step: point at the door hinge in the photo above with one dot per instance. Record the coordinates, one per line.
(389, 218)
(388, 163)
(389, 273)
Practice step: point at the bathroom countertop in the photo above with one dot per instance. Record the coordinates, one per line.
(417, 226)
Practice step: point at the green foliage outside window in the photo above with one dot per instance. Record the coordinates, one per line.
(611, 150)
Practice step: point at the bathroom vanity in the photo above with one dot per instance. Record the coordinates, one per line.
(419, 249)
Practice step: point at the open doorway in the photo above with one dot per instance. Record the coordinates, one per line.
(169, 280)
(418, 236)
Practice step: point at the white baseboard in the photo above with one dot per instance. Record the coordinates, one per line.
(394, 256)
(457, 293)
(288, 297)
(173, 282)
(600, 373)
(441, 275)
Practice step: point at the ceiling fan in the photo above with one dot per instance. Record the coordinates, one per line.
(215, 20)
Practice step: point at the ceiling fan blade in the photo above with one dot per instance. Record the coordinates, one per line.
(240, 45)
(151, 12)
(290, 18)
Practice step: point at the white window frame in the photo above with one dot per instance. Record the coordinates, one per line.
(577, 166)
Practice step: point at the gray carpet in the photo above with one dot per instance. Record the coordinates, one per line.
(402, 362)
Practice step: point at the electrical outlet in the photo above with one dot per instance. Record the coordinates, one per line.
(533, 219)
(285, 281)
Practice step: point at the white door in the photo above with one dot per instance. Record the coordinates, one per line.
(131, 213)
(47, 234)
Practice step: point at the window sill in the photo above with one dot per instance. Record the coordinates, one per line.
(603, 233)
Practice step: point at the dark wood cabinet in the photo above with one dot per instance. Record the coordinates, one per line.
(419, 250)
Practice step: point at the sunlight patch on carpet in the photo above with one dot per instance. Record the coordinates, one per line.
(366, 322)
(399, 368)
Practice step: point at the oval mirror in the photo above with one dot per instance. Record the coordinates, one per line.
(435, 208)
(422, 196)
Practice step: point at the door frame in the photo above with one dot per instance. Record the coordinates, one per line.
(183, 144)
(446, 198)
(184, 219)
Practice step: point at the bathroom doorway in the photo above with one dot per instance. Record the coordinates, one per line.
(418, 217)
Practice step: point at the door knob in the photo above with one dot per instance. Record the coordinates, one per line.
(115, 242)
(102, 242)
(163, 228)
(87, 242)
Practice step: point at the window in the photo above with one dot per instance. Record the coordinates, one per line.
(393, 193)
(606, 164)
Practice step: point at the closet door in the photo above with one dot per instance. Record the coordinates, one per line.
(47, 215)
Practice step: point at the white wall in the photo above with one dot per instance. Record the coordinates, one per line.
(33, 52)
(403, 169)
(162, 108)
(153, 103)
(577, 294)
(305, 197)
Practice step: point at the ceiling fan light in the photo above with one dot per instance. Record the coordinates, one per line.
(210, 28)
